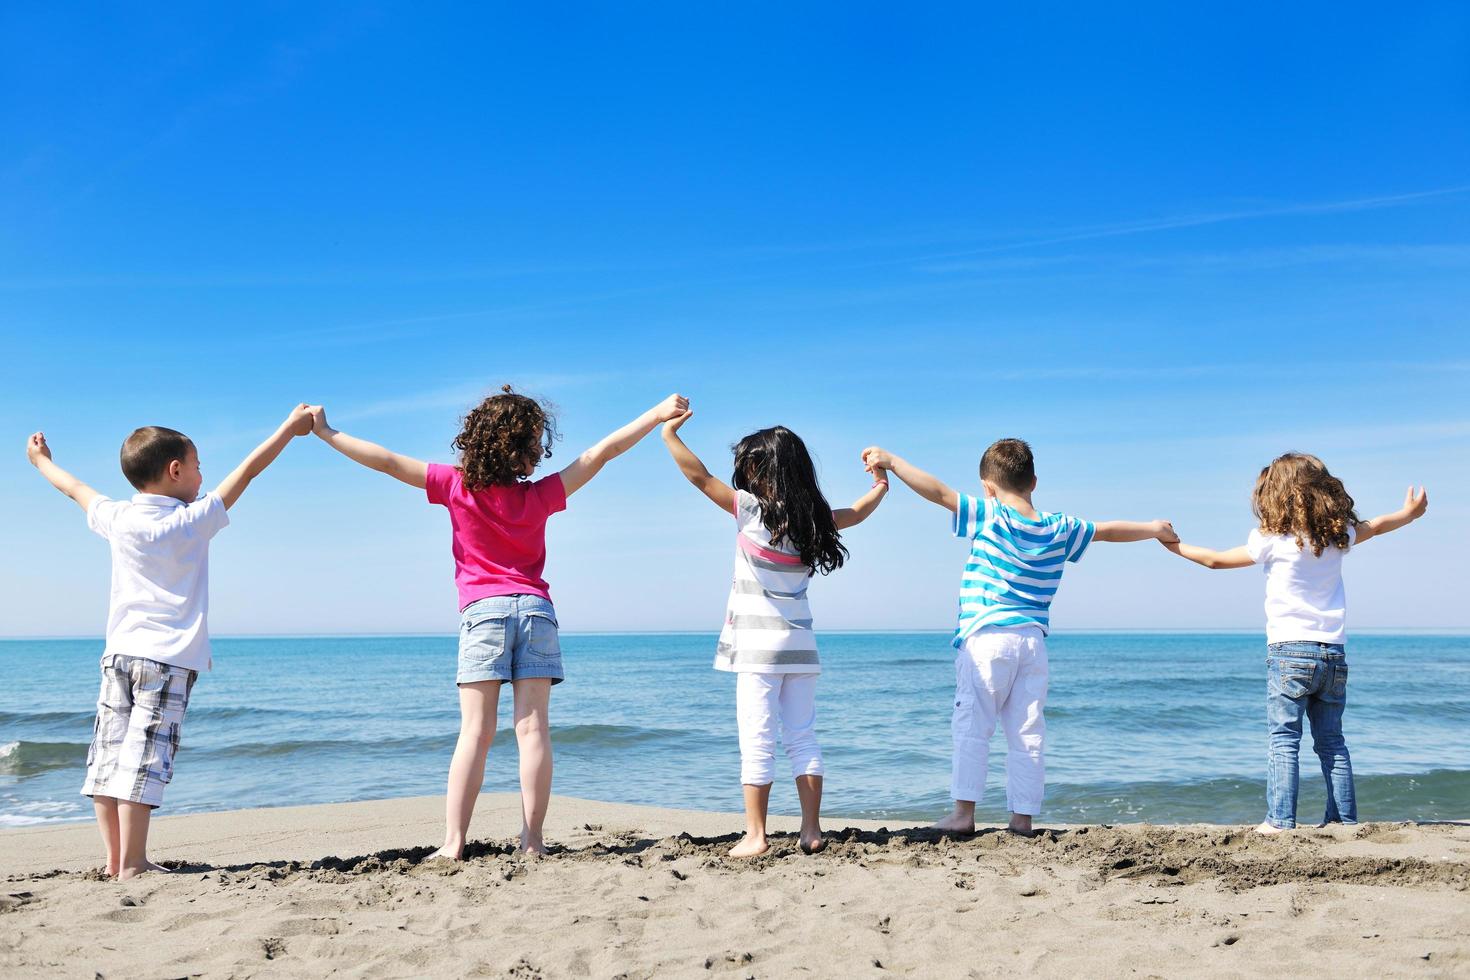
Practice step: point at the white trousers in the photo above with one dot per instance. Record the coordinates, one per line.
(764, 701)
(1001, 675)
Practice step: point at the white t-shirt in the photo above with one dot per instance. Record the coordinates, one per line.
(160, 575)
(1305, 599)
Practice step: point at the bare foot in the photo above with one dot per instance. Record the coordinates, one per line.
(1021, 825)
(749, 846)
(160, 868)
(957, 823)
(443, 854)
(532, 845)
(127, 872)
(812, 842)
(1268, 828)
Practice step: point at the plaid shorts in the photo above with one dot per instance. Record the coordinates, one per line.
(139, 714)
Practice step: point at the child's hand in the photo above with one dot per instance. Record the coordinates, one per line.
(880, 479)
(1164, 531)
(319, 420)
(672, 425)
(301, 420)
(671, 408)
(36, 448)
(1415, 504)
(1170, 545)
(876, 459)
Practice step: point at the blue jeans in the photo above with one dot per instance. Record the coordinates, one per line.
(1307, 678)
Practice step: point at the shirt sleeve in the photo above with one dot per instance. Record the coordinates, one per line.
(101, 513)
(970, 516)
(1079, 536)
(208, 515)
(1256, 545)
(439, 483)
(552, 493)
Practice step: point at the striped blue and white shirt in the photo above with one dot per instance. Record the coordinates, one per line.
(1015, 563)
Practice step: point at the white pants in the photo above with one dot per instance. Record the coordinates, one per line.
(1001, 674)
(761, 700)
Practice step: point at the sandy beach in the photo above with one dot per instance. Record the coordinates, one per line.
(638, 892)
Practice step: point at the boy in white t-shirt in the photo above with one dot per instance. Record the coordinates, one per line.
(1306, 525)
(157, 631)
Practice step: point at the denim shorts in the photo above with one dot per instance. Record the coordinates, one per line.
(509, 638)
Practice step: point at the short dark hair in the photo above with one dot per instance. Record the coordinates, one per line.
(1008, 463)
(148, 451)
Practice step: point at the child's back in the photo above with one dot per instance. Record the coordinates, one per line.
(160, 575)
(1305, 598)
(1015, 564)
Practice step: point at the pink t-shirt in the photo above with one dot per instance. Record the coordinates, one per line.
(499, 532)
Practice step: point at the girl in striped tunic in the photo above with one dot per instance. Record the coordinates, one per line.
(785, 533)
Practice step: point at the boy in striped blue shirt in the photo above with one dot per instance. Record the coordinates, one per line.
(1017, 554)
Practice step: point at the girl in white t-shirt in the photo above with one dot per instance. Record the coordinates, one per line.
(785, 533)
(1306, 525)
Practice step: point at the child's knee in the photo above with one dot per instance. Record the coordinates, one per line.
(532, 727)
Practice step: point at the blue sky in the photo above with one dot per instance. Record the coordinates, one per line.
(1162, 243)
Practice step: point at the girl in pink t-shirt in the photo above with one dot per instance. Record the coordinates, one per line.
(508, 629)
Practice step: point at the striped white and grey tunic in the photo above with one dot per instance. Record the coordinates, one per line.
(768, 623)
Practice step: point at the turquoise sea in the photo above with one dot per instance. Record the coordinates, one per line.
(1142, 727)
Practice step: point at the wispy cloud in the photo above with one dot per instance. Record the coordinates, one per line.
(463, 396)
(1209, 218)
(1440, 256)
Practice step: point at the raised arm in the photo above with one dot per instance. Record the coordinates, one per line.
(1134, 531)
(298, 423)
(1233, 558)
(414, 472)
(613, 445)
(847, 517)
(926, 485)
(40, 456)
(717, 490)
(1415, 504)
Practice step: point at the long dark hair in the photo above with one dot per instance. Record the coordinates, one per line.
(773, 464)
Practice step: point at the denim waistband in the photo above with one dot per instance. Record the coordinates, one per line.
(1308, 649)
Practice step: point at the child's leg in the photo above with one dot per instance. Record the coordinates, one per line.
(533, 737)
(1324, 710)
(983, 677)
(114, 706)
(757, 706)
(798, 702)
(477, 706)
(1287, 682)
(1023, 717)
(133, 819)
(106, 809)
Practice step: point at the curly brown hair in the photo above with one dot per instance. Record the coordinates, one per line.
(1296, 495)
(503, 439)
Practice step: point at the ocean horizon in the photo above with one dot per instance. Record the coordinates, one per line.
(1143, 725)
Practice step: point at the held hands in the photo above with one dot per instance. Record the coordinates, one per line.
(672, 426)
(36, 448)
(671, 408)
(1164, 532)
(877, 462)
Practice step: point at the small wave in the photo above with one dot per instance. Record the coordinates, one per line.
(45, 717)
(599, 736)
(30, 758)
